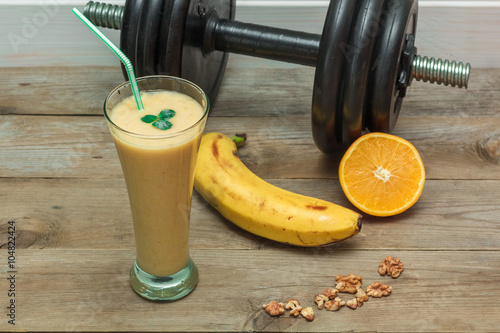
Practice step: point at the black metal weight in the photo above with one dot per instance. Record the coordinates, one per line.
(365, 58)
(386, 94)
(326, 114)
(342, 71)
(148, 36)
(198, 65)
(357, 71)
(129, 25)
(164, 37)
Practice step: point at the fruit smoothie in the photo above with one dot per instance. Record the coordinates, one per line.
(158, 166)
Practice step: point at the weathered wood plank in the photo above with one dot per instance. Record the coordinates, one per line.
(291, 95)
(94, 214)
(279, 147)
(82, 90)
(61, 182)
(87, 290)
(57, 90)
(244, 92)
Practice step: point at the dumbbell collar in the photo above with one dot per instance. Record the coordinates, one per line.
(407, 57)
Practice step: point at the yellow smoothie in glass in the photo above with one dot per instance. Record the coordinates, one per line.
(159, 175)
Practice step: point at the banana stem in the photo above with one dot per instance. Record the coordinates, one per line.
(239, 139)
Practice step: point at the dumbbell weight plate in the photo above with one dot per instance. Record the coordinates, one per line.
(171, 37)
(205, 69)
(326, 114)
(358, 53)
(181, 42)
(399, 19)
(128, 35)
(148, 37)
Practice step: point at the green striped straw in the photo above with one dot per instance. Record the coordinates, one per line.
(126, 62)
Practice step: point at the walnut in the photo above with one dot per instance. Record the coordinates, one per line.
(308, 313)
(391, 266)
(294, 306)
(378, 289)
(352, 303)
(361, 296)
(274, 308)
(348, 283)
(334, 304)
(320, 300)
(330, 293)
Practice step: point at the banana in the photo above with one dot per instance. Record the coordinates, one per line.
(264, 209)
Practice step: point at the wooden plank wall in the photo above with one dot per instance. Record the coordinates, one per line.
(46, 33)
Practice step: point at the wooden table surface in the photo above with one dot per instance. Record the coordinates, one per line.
(62, 186)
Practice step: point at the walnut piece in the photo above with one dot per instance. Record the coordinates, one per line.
(274, 308)
(331, 293)
(320, 300)
(352, 303)
(308, 313)
(294, 306)
(348, 283)
(391, 266)
(334, 304)
(361, 296)
(378, 289)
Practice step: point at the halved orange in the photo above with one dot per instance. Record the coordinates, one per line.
(382, 174)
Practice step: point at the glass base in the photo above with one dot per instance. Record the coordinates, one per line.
(164, 288)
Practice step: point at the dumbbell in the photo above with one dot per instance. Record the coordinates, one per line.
(365, 58)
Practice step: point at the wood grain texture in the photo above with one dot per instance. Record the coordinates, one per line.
(451, 148)
(57, 213)
(455, 130)
(61, 182)
(244, 92)
(83, 290)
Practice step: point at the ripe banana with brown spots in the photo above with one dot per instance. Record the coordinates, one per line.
(264, 209)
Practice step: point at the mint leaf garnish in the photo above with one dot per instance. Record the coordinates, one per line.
(162, 125)
(149, 119)
(161, 121)
(166, 114)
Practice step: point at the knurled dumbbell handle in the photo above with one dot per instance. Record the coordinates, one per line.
(285, 45)
(233, 36)
(266, 42)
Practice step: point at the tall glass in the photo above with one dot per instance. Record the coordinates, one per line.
(159, 174)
